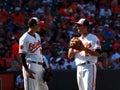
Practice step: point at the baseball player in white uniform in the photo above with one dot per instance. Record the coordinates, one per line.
(86, 57)
(31, 54)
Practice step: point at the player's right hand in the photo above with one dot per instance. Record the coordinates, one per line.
(30, 73)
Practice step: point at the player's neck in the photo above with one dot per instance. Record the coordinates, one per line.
(84, 35)
(31, 32)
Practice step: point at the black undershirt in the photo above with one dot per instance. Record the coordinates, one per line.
(31, 34)
(22, 56)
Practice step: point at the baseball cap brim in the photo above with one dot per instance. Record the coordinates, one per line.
(41, 23)
(78, 23)
(82, 22)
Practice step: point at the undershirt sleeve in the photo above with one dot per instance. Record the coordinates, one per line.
(22, 56)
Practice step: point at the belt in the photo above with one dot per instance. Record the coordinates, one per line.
(88, 62)
(40, 63)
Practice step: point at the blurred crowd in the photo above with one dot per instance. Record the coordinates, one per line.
(58, 29)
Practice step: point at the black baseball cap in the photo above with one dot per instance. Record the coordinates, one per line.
(82, 22)
(34, 21)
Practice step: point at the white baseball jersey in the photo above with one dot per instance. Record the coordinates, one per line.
(91, 42)
(31, 46)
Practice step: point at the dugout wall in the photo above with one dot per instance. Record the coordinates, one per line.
(66, 80)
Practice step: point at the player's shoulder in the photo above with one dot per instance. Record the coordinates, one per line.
(37, 35)
(92, 35)
(24, 36)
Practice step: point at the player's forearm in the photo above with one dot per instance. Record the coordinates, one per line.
(70, 53)
(22, 56)
(92, 52)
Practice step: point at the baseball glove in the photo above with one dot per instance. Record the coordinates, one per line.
(76, 43)
(48, 76)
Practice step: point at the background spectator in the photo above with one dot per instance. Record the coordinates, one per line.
(58, 29)
(19, 82)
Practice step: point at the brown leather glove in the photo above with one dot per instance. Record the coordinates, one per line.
(48, 76)
(76, 43)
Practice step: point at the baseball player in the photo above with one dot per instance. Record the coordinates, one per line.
(85, 56)
(31, 54)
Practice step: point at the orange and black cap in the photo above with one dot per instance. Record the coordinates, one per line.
(34, 21)
(82, 22)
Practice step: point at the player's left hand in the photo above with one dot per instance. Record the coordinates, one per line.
(30, 73)
(75, 43)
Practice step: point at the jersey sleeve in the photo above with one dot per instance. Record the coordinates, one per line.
(38, 36)
(46, 61)
(23, 45)
(97, 43)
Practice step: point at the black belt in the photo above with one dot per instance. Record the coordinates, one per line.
(88, 62)
(40, 63)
